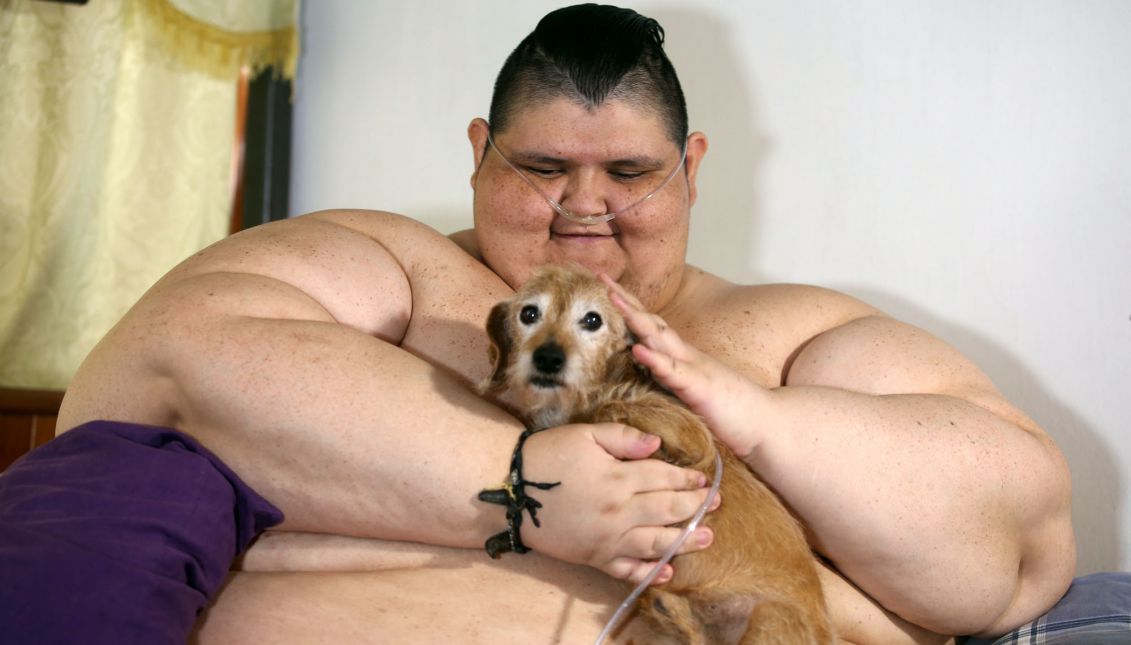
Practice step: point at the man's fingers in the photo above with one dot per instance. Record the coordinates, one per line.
(615, 288)
(648, 327)
(644, 568)
(662, 366)
(634, 571)
(653, 332)
(639, 319)
(665, 507)
(651, 544)
(625, 442)
(653, 475)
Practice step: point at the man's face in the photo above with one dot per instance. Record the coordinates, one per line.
(592, 162)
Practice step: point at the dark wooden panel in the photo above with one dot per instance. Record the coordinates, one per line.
(27, 420)
(44, 430)
(30, 401)
(15, 437)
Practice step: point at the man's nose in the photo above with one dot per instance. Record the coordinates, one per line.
(549, 358)
(585, 193)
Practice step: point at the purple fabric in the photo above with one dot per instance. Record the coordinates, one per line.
(119, 533)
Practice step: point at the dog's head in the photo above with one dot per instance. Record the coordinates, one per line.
(556, 343)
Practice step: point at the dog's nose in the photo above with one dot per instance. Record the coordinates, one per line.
(549, 358)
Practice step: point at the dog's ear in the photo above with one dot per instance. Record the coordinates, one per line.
(498, 352)
(630, 338)
(622, 366)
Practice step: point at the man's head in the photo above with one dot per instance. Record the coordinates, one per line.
(588, 119)
(590, 54)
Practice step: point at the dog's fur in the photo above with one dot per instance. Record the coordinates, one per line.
(758, 582)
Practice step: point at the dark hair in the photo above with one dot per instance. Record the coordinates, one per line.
(589, 54)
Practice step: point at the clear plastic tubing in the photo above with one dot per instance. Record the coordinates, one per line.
(625, 606)
(587, 220)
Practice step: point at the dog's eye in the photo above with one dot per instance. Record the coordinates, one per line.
(529, 315)
(591, 321)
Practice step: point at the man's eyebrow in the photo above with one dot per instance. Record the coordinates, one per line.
(639, 161)
(536, 158)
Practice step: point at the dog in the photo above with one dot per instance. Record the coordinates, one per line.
(561, 353)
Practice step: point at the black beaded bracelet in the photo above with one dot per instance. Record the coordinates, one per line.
(513, 496)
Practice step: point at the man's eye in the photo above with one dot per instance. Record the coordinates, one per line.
(627, 176)
(529, 315)
(544, 172)
(591, 321)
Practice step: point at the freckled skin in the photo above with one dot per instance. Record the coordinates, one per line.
(331, 359)
(516, 231)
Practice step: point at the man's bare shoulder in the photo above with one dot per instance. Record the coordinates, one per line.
(372, 272)
(339, 236)
(759, 328)
(360, 267)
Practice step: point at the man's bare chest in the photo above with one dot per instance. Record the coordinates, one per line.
(448, 330)
(737, 343)
(449, 314)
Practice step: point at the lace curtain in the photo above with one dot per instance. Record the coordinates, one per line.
(117, 124)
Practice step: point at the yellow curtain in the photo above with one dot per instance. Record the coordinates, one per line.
(117, 122)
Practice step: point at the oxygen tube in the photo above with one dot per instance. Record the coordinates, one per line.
(625, 606)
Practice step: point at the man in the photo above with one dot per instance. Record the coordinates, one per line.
(331, 361)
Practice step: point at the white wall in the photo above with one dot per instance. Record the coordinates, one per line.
(964, 165)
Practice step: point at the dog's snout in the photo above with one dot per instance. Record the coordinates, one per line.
(549, 358)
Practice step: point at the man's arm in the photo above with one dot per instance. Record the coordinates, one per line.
(280, 350)
(918, 481)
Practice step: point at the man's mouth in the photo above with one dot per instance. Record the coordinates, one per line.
(585, 236)
(586, 231)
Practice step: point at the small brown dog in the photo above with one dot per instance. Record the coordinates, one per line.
(562, 353)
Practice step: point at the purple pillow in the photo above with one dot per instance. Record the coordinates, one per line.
(119, 533)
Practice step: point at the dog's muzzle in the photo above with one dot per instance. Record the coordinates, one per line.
(548, 359)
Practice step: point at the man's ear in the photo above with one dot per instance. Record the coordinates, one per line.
(499, 351)
(696, 150)
(477, 135)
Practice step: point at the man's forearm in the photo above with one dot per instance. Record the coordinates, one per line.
(355, 449)
(926, 502)
(340, 430)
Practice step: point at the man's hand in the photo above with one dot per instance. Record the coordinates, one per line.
(726, 400)
(614, 507)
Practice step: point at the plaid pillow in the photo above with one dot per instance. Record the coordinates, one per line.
(1096, 609)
